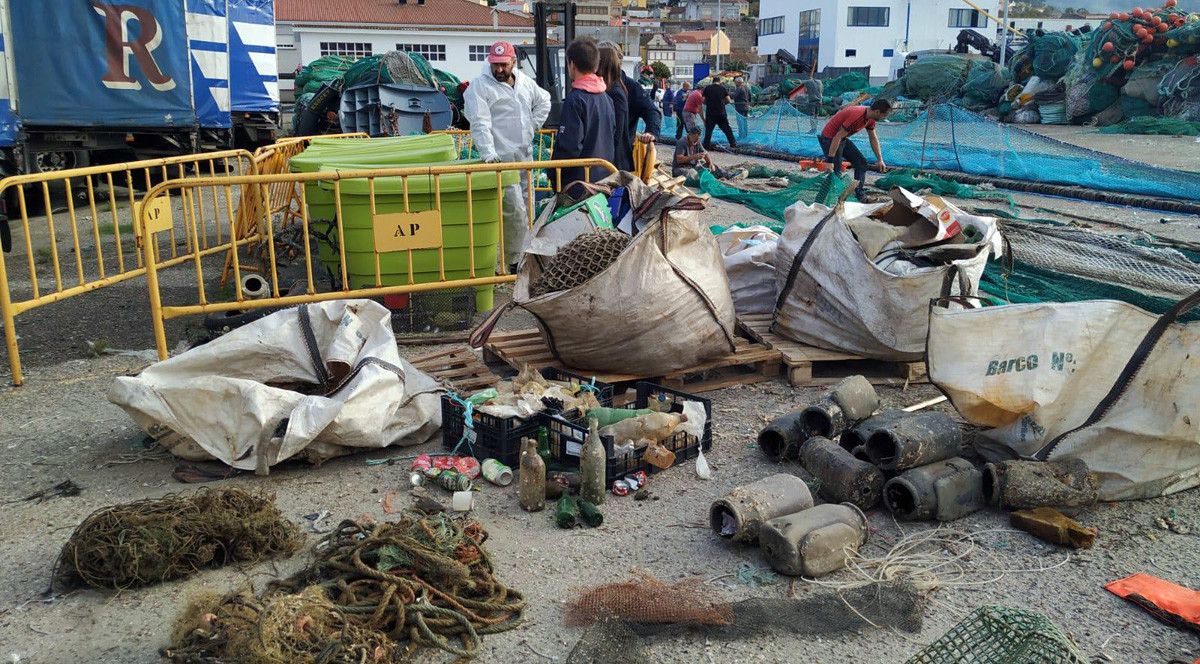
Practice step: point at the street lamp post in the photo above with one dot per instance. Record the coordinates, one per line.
(718, 35)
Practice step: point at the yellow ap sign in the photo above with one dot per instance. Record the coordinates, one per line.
(158, 216)
(401, 231)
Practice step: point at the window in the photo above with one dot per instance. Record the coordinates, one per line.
(431, 52)
(889, 52)
(967, 18)
(770, 26)
(477, 53)
(352, 49)
(810, 24)
(878, 17)
(851, 52)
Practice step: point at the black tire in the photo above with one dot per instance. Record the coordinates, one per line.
(226, 321)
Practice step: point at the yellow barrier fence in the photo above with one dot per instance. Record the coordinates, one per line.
(374, 232)
(98, 244)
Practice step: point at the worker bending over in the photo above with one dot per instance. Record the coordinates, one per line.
(835, 143)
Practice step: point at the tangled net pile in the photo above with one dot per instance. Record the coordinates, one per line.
(422, 581)
(149, 541)
(580, 260)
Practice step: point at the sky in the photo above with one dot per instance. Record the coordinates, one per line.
(1117, 5)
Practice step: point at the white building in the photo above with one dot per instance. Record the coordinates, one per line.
(454, 35)
(862, 33)
(707, 10)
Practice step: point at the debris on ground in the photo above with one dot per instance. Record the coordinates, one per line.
(1000, 635)
(63, 489)
(156, 540)
(1047, 523)
(1172, 604)
(372, 591)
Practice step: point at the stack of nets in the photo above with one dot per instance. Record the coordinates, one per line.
(1001, 635)
(1047, 56)
(325, 69)
(977, 83)
(423, 581)
(149, 541)
(1149, 124)
(1180, 90)
(849, 82)
(824, 189)
(580, 260)
(391, 67)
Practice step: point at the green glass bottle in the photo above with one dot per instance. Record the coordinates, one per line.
(543, 445)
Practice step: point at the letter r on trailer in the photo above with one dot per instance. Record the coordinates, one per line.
(120, 47)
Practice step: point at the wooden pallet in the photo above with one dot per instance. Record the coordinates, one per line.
(751, 363)
(809, 366)
(459, 367)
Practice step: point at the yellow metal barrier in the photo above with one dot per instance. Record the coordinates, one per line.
(100, 250)
(404, 210)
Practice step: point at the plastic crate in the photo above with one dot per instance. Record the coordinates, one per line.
(567, 436)
(450, 310)
(500, 437)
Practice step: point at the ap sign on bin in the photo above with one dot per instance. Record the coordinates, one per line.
(401, 231)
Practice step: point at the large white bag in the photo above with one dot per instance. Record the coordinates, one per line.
(1101, 381)
(662, 306)
(235, 398)
(749, 255)
(831, 294)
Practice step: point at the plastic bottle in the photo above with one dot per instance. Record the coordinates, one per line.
(652, 427)
(591, 466)
(532, 494)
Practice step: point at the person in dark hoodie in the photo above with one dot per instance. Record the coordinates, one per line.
(641, 107)
(680, 100)
(587, 121)
(610, 70)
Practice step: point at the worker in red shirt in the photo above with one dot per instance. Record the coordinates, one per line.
(835, 143)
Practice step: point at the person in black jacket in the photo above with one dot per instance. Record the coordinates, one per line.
(610, 71)
(680, 100)
(641, 107)
(586, 122)
(716, 96)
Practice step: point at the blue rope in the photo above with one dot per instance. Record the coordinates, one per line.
(468, 423)
(590, 387)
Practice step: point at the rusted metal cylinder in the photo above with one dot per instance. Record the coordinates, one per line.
(740, 514)
(1022, 484)
(857, 435)
(850, 401)
(841, 477)
(781, 438)
(945, 490)
(913, 441)
(814, 542)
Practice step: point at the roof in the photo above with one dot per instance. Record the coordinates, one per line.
(391, 12)
(647, 38)
(694, 36)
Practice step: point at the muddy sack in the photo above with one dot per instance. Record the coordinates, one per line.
(312, 382)
(662, 305)
(834, 294)
(1100, 381)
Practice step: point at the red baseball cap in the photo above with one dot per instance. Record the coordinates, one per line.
(502, 51)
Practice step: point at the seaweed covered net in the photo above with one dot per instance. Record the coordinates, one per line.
(150, 541)
(422, 581)
(948, 137)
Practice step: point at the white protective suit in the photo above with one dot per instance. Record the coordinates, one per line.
(504, 120)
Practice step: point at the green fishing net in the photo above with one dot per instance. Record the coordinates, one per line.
(325, 69)
(1147, 124)
(917, 181)
(824, 189)
(850, 82)
(1002, 635)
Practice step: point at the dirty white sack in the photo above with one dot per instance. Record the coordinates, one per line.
(227, 398)
(831, 294)
(1034, 372)
(748, 254)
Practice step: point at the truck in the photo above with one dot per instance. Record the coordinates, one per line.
(86, 82)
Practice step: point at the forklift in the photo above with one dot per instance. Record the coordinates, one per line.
(546, 63)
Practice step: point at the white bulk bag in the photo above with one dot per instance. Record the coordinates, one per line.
(749, 255)
(230, 396)
(1104, 381)
(831, 294)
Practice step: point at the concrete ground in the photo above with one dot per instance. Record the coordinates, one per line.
(60, 425)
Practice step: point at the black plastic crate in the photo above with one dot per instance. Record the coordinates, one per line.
(433, 312)
(567, 436)
(500, 437)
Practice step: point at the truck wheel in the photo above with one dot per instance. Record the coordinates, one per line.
(53, 161)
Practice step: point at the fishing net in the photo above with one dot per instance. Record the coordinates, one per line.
(645, 599)
(422, 581)
(918, 182)
(1002, 635)
(1180, 90)
(150, 541)
(824, 189)
(1145, 124)
(325, 69)
(887, 605)
(580, 260)
(1046, 56)
(391, 67)
(947, 137)
(849, 82)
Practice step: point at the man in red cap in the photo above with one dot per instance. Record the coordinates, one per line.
(506, 108)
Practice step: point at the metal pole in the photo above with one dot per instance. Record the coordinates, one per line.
(718, 36)
(1004, 36)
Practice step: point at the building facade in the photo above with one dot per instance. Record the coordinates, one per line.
(454, 35)
(592, 13)
(707, 10)
(866, 33)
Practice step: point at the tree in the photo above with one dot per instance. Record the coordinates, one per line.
(735, 65)
(661, 70)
